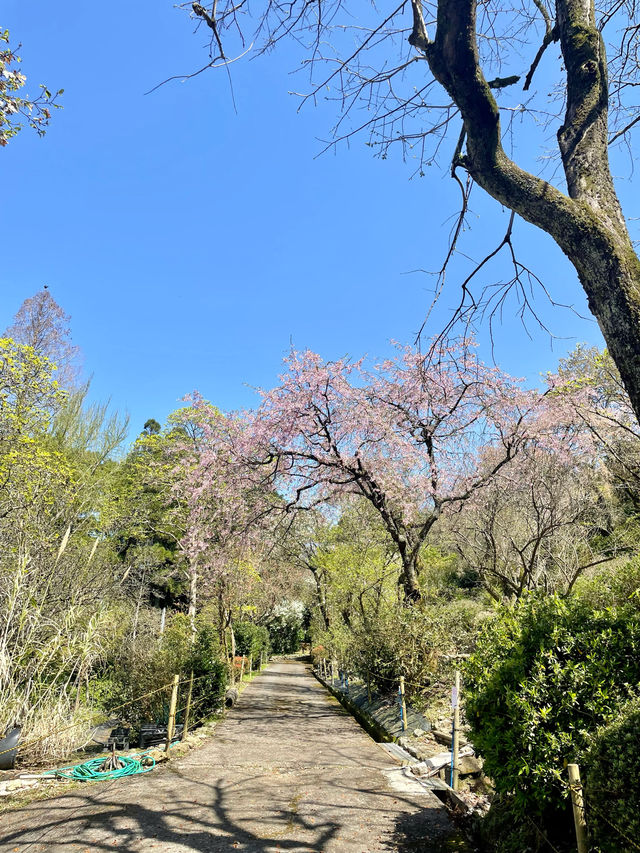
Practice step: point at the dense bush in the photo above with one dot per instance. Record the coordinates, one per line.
(612, 786)
(251, 640)
(286, 628)
(545, 674)
(210, 671)
(419, 642)
(133, 676)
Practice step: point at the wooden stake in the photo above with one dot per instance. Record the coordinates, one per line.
(403, 704)
(250, 665)
(187, 712)
(172, 712)
(577, 802)
(455, 739)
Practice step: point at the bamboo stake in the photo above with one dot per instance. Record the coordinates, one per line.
(455, 739)
(171, 727)
(188, 708)
(577, 802)
(403, 704)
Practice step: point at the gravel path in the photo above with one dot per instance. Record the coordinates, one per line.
(287, 770)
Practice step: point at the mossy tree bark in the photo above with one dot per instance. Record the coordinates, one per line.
(587, 222)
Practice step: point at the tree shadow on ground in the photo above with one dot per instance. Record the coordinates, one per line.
(110, 820)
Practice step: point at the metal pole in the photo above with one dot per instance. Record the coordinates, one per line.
(171, 727)
(187, 712)
(455, 740)
(577, 802)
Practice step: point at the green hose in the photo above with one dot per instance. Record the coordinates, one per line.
(89, 771)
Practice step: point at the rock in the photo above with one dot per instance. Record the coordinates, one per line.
(435, 762)
(159, 755)
(420, 769)
(470, 764)
(18, 784)
(422, 752)
(419, 733)
(441, 736)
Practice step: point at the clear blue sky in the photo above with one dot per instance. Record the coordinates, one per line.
(191, 244)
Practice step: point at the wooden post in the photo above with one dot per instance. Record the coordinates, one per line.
(403, 704)
(577, 802)
(171, 727)
(187, 711)
(250, 665)
(455, 737)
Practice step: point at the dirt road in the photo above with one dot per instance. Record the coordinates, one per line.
(287, 770)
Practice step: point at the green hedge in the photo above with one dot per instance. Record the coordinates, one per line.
(612, 782)
(545, 674)
(251, 640)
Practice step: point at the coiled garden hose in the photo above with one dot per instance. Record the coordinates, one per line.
(89, 771)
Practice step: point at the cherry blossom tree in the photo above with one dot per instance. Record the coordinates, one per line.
(415, 437)
(227, 537)
(590, 382)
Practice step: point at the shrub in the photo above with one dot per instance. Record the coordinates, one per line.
(546, 672)
(210, 672)
(286, 628)
(418, 642)
(134, 676)
(612, 784)
(251, 640)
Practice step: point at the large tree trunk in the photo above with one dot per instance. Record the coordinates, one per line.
(322, 597)
(587, 223)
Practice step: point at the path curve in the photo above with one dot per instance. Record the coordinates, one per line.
(287, 771)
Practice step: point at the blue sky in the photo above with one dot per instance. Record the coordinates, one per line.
(192, 244)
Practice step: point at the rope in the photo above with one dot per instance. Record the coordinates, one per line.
(105, 716)
(589, 807)
(420, 686)
(90, 771)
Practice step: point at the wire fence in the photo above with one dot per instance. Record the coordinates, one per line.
(104, 716)
(332, 671)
